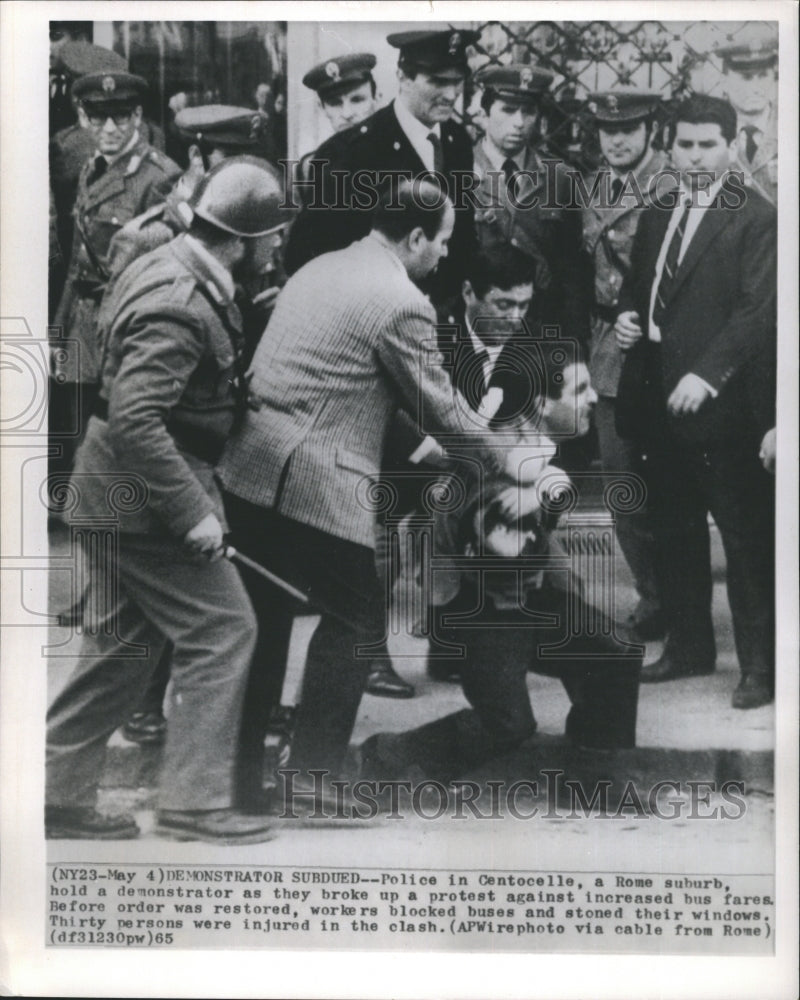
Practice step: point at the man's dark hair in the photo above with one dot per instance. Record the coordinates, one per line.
(409, 205)
(701, 109)
(346, 90)
(503, 266)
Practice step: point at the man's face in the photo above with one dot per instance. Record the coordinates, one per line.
(701, 153)
(350, 107)
(258, 259)
(497, 315)
(431, 97)
(425, 253)
(750, 91)
(509, 125)
(623, 144)
(570, 415)
(113, 131)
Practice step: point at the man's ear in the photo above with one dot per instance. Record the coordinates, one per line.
(415, 239)
(137, 115)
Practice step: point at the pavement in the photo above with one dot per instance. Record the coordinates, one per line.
(686, 728)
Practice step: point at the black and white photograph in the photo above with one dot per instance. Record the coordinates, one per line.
(399, 536)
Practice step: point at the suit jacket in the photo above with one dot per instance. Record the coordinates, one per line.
(608, 234)
(720, 316)
(139, 179)
(350, 340)
(379, 144)
(168, 379)
(549, 231)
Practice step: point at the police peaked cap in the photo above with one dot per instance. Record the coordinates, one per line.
(113, 90)
(760, 54)
(340, 73)
(516, 82)
(221, 125)
(434, 50)
(622, 106)
(80, 58)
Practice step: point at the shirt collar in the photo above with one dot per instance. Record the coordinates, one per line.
(496, 158)
(621, 175)
(492, 351)
(416, 131)
(221, 281)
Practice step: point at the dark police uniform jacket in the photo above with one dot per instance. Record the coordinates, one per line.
(140, 178)
(378, 145)
(171, 390)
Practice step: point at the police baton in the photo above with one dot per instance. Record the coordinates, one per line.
(231, 553)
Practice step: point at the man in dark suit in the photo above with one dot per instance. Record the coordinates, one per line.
(412, 136)
(696, 318)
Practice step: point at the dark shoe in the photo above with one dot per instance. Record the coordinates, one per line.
(145, 727)
(647, 627)
(666, 668)
(86, 823)
(216, 826)
(384, 682)
(753, 691)
(445, 671)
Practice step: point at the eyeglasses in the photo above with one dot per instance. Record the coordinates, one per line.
(120, 118)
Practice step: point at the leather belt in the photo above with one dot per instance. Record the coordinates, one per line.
(193, 440)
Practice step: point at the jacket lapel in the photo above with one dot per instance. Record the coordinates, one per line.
(714, 220)
(113, 180)
(399, 148)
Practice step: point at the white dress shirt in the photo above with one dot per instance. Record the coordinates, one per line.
(417, 133)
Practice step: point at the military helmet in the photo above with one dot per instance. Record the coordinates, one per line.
(242, 195)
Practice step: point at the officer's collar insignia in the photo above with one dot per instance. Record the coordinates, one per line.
(332, 69)
(109, 84)
(526, 77)
(255, 125)
(455, 43)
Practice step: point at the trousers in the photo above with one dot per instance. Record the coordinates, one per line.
(157, 591)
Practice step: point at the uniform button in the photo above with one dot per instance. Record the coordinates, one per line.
(611, 233)
(514, 241)
(612, 279)
(364, 129)
(396, 145)
(115, 220)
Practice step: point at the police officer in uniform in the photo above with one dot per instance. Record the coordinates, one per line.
(125, 177)
(525, 196)
(750, 78)
(625, 122)
(172, 389)
(346, 88)
(414, 135)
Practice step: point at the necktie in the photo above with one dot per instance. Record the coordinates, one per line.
(438, 158)
(616, 190)
(100, 167)
(510, 170)
(750, 141)
(670, 266)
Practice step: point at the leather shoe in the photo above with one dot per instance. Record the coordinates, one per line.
(384, 682)
(86, 823)
(215, 826)
(666, 668)
(145, 727)
(753, 691)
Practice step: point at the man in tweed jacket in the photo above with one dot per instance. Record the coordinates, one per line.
(351, 339)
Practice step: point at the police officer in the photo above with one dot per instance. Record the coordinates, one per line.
(525, 196)
(172, 388)
(124, 177)
(346, 88)
(413, 135)
(625, 122)
(750, 80)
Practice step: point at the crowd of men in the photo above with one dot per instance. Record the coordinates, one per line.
(274, 356)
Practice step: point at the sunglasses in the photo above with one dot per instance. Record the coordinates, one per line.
(119, 118)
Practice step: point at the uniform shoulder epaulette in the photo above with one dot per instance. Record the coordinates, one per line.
(160, 160)
(182, 289)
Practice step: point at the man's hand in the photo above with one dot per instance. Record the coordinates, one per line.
(516, 502)
(524, 463)
(767, 451)
(688, 395)
(205, 538)
(627, 330)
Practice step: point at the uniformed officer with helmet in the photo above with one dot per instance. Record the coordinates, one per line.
(172, 389)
